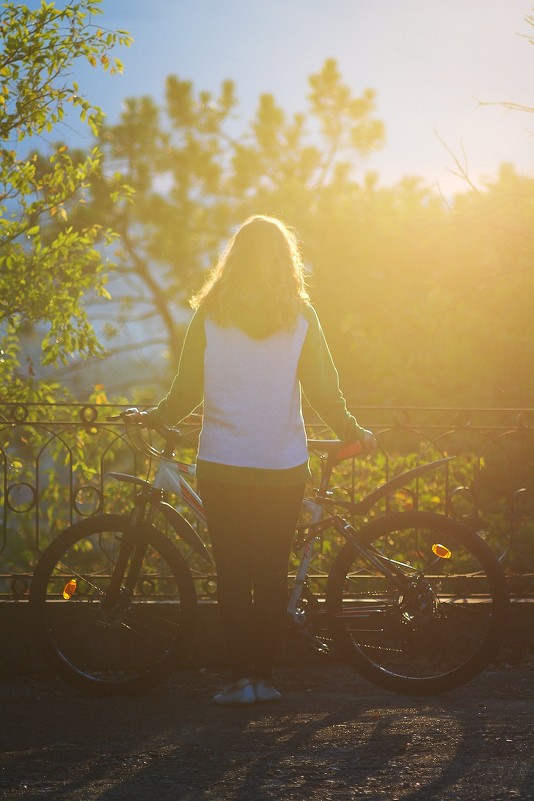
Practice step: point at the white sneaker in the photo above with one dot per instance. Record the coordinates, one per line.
(240, 693)
(264, 691)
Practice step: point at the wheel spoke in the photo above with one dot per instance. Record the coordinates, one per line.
(125, 645)
(442, 627)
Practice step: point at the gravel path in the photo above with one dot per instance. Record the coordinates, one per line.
(333, 736)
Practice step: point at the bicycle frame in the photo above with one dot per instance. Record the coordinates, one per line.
(398, 620)
(170, 478)
(316, 512)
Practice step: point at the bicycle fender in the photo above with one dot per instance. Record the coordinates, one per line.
(363, 506)
(139, 482)
(185, 530)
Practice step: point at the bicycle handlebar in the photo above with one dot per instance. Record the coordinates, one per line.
(133, 419)
(336, 450)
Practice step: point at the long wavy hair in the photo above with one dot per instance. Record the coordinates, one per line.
(258, 283)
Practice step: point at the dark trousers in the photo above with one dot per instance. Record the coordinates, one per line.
(251, 529)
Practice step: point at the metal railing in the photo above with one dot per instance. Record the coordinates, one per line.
(54, 459)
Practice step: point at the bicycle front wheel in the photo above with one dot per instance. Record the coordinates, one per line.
(129, 646)
(421, 607)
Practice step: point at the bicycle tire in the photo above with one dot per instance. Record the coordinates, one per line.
(434, 636)
(124, 651)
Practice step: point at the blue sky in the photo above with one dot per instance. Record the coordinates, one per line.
(430, 62)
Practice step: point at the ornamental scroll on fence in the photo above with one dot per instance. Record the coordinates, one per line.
(54, 459)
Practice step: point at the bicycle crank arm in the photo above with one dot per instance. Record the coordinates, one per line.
(319, 645)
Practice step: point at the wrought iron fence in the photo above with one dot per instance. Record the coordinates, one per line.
(54, 460)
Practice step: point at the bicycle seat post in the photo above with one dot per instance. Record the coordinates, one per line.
(326, 474)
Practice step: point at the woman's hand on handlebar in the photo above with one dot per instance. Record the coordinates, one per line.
(369, 443)
(147, 420)
(134, 417)
(137, 417)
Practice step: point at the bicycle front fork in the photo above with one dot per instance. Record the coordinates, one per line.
(127, 568)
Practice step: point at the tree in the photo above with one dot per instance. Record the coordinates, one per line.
(416, 293)
(529, 19)
(48, 265)
(195, 177)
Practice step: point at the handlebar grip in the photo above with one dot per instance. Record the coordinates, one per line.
(123, 415)
(349, 450)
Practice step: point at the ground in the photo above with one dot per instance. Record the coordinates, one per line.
(333, 736)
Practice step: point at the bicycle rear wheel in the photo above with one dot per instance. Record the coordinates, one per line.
(427, 613)
(136, 643)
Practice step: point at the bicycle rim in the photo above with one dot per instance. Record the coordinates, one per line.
(437, 631)
(131, 646)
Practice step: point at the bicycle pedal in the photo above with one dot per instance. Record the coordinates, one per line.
(320, 646)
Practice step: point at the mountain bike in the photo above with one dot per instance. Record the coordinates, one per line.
(415, 601)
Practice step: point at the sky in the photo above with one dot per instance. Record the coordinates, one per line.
(431, 63)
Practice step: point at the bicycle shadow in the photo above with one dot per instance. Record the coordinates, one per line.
(287, 753)
(328, 754)
(329, 742)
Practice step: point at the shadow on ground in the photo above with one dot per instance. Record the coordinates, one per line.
(333, 736)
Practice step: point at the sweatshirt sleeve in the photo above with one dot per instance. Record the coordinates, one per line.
(187, 389)
(319, 381)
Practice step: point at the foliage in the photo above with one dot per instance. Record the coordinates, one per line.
(54, 467)
(195, 178)
(411, 287)
(48, 265)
